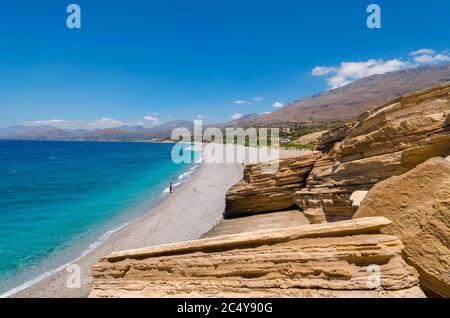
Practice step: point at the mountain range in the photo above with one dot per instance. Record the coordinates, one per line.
(123, 133)
(349, 101)
(330, 106)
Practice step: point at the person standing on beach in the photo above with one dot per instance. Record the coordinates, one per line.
(171, 188)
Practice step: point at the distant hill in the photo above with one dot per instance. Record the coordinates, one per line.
(135, 133)
(165, 130)
(241, 122)
(124, 133)
(354, 99)
(37, 133)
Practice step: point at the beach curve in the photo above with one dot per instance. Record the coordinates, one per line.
(193, 209)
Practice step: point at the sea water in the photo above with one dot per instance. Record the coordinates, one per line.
(59, 200)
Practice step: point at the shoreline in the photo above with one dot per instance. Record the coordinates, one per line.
(196, 207)
(193, 209)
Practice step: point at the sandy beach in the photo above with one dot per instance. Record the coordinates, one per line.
(192, 210)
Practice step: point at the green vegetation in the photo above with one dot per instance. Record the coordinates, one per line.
(295, 131)
(296, 147)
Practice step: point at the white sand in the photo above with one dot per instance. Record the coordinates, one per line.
(192, 210)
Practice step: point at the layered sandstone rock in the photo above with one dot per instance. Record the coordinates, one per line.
(385, 142)
(315, 216)
(312, 139)
(418, 203)
(327, 140)
(346, 259)
(267, 188)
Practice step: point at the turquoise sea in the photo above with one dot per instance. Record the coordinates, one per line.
(58, 200)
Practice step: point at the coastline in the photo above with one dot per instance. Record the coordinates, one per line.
(193, 209)
(196, 206)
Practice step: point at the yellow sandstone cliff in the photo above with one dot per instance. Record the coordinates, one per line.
(345, 259)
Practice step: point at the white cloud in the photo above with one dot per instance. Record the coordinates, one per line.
(200, 116)
(108, 122)
(266, 113)
(240, 102)
(430, 56)
(347, 72)
(58, 123)
(423, 52)
(152, 120)
(258, 99)
(322, 70)
(430, 59)
(236, 116)
(50, 122)
(101, 123)
(338, 81)
(358, 70)
(278, 105)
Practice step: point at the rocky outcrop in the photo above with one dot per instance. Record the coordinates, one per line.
(418, 203)
(266, 189)
(346, 259)
(327, 140)
(388, 141)
(315, 216)
(312, 139)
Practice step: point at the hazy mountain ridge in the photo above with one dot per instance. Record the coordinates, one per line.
(124, 133)
(330, 106)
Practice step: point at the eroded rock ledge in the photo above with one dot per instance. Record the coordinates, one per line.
(323, 260)
(264, 189)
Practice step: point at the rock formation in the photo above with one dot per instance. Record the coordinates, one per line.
(264, 189)
(344, 259)
(385, 142)
(387, 152)
(418, 203)
(330, 137)
(312, 139)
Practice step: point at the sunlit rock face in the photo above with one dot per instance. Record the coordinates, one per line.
(418, 203)
(388, 141)
(343, 259)
(266, 189)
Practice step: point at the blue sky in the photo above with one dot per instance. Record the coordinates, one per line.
(165, 60)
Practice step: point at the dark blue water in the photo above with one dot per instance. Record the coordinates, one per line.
(57, 198)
